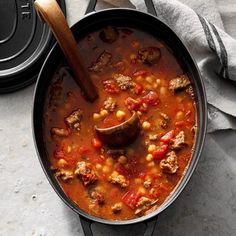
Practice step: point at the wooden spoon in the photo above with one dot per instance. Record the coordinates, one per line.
(50, 12)
(122, 134)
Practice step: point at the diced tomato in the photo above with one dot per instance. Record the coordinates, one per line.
(131, 198)
(143, 107)
(140, 73)
(132, 104)
(151, 98)
(180, 123)
(167, 137)
(110, 86)
(96, 159)
(97, 144)
(160, 152)
(83, 150)
(138, 89)
(122, 170)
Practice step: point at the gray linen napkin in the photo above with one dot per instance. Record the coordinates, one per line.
(199, 25)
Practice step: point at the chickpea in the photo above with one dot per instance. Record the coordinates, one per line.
(142, 190)
(106, 169)
(151, 164)
(158, 82)
(139, 78)
(152, 148)
(179, 115)
(62, 163)
(109, 161)
(163, 90)
(122, 159)
(103, 113)
(149, 79)
(137, 180)
(149, 157)
(155, 85)
(120, 115)
(98, 166)
(96, 116)
(146, 125)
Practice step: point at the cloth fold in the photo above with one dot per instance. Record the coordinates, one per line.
(200, 27)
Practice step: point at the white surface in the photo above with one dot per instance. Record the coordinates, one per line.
(29, 206)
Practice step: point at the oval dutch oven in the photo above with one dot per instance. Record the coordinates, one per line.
(148, 22)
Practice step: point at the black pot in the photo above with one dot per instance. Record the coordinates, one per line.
(147, 22)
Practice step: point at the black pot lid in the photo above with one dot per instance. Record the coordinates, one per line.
(24, 43)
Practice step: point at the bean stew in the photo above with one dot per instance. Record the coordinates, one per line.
(121, 156)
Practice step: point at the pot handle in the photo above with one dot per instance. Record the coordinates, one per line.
(86, 225)
(150, 226)
(149, 4)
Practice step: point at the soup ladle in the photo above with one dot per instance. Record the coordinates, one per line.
(50, 12)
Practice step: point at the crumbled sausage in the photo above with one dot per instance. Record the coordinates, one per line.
(153, 137)
(179, 83)
(74, 120)
(65, 175)
(179, 141)
(116, 178)
(150, 55)
(189, 91)
(60, 132)
(147, 183)
(109, 34)
(85, 172)
(169, 165)
(165, 121)
(143, 204)
(117, 207)
(97, 197)
(124, 82)
(110, 104)
(102, 61)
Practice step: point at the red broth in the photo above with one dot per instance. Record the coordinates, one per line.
(134, 72)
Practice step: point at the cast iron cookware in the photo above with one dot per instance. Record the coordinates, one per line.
(150, 23)
(24, 43)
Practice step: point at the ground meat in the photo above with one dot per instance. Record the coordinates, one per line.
(143, 204)
(102, 61)
(115, 178)
(97, 197)
(110, 104)
(169, 165)
(179, 83)
(165, 121)
(65, 175)
(74, 120)
(179, 141)
(189, 91)
(85, 173)
(147, 183)
(117, 207)
(150, 55)
(153, 137)
(124, 82)
(59, 132)
(109, 34)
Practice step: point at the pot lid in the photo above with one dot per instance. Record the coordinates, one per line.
(24, 43)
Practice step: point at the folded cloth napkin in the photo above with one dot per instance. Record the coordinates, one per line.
(199, 25)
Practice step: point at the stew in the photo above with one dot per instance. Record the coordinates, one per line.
(121, 156)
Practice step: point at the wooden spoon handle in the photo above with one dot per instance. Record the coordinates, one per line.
(50, 12)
